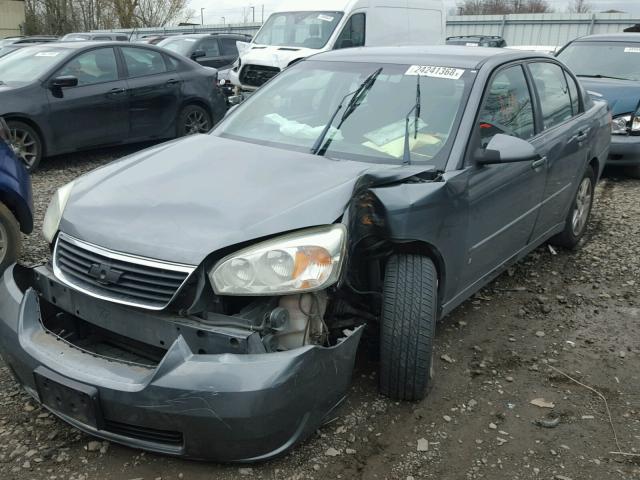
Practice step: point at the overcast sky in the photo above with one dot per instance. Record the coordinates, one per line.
(233, 10)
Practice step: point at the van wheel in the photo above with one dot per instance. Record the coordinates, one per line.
(193, 119)
(579, 214)
(26, 142)
(408, 327)
(9, 238)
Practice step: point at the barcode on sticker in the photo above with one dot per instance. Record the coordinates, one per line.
(632, 50)
(436, 72)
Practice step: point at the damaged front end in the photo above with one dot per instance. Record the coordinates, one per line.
(212, 377)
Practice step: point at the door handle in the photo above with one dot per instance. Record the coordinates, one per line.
(538, 163)
(172, 82)
(581, 137)
(116, 92)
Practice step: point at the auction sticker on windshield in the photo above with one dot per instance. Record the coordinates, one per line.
(436, 72)
(632, 50)
(325, 18)
(47, 54)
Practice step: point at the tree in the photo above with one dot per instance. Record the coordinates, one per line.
(502, 7)
(580, 6)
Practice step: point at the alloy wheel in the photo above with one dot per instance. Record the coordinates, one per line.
(582, 207)
(4, 242)
(24, 145)
(196, 122)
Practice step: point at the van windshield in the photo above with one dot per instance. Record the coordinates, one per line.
(299, 29)
(293, 109)
(606, 59)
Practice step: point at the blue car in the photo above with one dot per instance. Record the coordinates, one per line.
(608, 66)
(16, 212)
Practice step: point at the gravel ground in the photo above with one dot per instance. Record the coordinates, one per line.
(556, 312)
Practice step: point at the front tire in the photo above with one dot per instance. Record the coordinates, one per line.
(408, 326)
(579, 214)
(193, 119)
(9, 238)
(26, 143)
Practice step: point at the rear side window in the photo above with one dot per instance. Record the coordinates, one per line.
(210, 47)
(172, 63)
(122, 38)
(141, 62)
(101, 37)
(574, 94)
(553, 90)
(507, 107)
(229, 47)
(353, 33)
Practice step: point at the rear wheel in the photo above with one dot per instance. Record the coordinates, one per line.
(9, 238)
(408, 327)
(579, 214)
(26, 142)
(193, 119)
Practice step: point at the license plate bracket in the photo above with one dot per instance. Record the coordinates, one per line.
(67, 397)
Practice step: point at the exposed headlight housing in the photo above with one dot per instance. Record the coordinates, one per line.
(236, 65)
(620, 124)
(303, 261)
(55, 210)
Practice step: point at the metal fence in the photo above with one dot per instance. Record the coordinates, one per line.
(549, 29)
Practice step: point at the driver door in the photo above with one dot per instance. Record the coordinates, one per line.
(504, 199)
(95, 112)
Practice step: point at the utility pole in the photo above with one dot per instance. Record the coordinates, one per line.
(224, 20)
(263, 13)
(202, 16)
(253, 11)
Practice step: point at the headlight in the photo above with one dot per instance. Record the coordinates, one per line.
(299, 262)
(620, 125)
(54, 212)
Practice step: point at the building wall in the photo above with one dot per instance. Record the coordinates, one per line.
(11, 17)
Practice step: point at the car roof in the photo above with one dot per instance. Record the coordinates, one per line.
(449, 55)
(611, 37)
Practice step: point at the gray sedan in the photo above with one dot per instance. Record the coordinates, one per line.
(206, 297)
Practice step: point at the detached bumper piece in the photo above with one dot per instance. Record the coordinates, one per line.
(146, 380)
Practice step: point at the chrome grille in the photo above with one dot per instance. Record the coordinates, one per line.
(117, 277)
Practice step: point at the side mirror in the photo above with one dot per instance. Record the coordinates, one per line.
(198, 54)
(64, 81)
(506, 149)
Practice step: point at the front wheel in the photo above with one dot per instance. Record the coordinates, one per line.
(26, 143)
(193, 119)
(408, 326)
(579, 214)
(9, 238)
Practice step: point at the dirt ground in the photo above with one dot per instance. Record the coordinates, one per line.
(572, 312)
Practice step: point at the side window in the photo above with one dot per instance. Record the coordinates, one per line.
(507, 107)
(574, 93)
(95, 66)
(229, 47)
(101, 37)
(210, 47)
(122, 38)
(353, 33)
(141, 62)
(553, 91)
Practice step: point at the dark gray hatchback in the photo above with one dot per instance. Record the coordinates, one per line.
(206, 297)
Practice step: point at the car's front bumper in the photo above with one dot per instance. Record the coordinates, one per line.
(225, 407)
(625, 151)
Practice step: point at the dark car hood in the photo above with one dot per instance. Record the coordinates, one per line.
(183, 200)
(623, 95)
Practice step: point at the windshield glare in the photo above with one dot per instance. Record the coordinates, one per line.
(298, 29)
(28, 64)
(293, 109)
(609, 59)
(181, 46)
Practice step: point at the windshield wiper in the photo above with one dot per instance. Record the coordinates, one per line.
(358, 96)
(603, 76)
(406, 157)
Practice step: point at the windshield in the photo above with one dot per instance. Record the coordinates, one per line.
(298, 29)
(181, 46)
(292, 110)
(75, 37)
(28, 64)
(607, 59)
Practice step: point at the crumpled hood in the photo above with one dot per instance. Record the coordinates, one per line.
(623, 96)
(182, 200)
(271, 56)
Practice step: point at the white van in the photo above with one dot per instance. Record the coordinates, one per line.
(292, 34)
